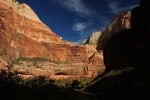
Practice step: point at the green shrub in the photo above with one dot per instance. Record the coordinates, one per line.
(36, 59)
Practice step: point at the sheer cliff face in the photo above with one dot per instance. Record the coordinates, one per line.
(120, 22)
(131, 46)
(22, 34)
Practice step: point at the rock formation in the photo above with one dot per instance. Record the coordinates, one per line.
(23, 35)
(84, 41)
(100, 39)
(131, 46)
(93, 39)
(120, 22)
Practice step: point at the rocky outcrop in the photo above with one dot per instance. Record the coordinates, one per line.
(22, 34)
(93, 39)
(84, 42)
(3, 64)
(130, 47)
(120, 22)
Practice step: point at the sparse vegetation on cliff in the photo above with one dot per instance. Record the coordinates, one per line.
(34, 60)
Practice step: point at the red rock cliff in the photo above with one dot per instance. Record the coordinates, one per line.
(22, 34)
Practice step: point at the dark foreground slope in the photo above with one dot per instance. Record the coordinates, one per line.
(13, 87)
(122, 84)
(128, 83)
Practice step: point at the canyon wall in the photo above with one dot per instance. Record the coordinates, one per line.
(24, 35)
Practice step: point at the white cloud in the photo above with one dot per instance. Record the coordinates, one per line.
(116, 8)
(128, 7)
(84, 30)
(79, 7)
(79, 26)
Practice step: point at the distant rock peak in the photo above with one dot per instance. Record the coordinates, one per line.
(26, 11)
(22, 9)
(93, 39)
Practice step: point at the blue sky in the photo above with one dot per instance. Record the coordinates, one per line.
(75, 20)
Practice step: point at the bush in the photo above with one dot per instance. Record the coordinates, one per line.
(36, 59)
(38, 88)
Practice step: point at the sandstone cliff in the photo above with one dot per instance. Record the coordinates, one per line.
(120, 22)
(23, 35)
(131, 46)
(93, 39)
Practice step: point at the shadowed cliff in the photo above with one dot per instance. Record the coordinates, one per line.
(130, 46)
(126, 56)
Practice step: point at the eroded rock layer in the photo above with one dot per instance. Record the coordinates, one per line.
(23, 35)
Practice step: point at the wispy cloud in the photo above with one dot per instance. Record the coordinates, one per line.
(128, 7)
(77, 6)
(116, 8)
(80, 8)
(82, 28)
(79, 26)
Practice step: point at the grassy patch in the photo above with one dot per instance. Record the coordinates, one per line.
(36, 59)
(78, 84)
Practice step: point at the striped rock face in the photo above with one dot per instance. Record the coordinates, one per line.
(24, 35)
